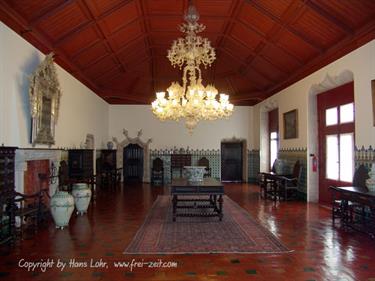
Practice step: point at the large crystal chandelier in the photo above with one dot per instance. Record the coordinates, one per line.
(191, 101)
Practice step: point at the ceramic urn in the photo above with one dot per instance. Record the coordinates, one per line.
(194, 173)
(62, 207)
(82, 196)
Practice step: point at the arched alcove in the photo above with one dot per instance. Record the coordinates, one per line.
(328, 83)
(146, 151)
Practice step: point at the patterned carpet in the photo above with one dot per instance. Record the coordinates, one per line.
(238, 232)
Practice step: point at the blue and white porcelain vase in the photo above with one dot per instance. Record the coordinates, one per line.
(194, 173)
(82, 196)
(62, 207)
(370, 183)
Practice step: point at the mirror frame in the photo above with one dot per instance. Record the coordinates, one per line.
(44, 94)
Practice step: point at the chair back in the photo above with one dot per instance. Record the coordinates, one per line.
(360, 176)
(297, 170)
(157, 165)
(63, 173)
(204, 162)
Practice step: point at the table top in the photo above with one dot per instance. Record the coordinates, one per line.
(206, 182)
(273, 175)
(207, 186)
(355, 190)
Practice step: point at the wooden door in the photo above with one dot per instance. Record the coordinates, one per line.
(133, 163)
(231, 161)
(336, 139)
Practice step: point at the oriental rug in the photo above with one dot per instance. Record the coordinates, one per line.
(238, 232)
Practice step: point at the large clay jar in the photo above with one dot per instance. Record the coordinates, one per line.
(62, 207)
(82, 196)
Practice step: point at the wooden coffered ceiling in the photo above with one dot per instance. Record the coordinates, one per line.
(118, 47)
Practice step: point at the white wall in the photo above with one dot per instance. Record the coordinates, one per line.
(81, 111)
(207, 134)
(361, 62)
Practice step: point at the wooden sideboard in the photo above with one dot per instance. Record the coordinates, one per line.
(81, 165)
(178, 161)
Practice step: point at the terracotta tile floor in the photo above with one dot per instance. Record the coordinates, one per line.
(320, 251)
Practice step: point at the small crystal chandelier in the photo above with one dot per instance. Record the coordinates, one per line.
(191, 101)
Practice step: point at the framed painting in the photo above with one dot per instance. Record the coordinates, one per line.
(291, 124)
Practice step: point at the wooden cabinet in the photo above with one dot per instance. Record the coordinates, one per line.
(7, 194)
(80, 163)
(178, 161)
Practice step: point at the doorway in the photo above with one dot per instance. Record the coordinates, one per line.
(133, 163)
(336, 139)
(232, 161)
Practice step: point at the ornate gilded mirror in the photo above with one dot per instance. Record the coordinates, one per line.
(44, 96)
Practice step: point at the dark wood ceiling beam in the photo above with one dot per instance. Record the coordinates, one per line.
(247, 63)
(108, 94)
(148, 42)
(268, 41)
(132, 86)
(113, 54)
(240, 71)
(111, 77)
(50, 12)
(228, 26)
(287, 27)
(362, 36)
(248, 97)
(140, 20)
(75, 31)
(25, 27)
(108, 73)
(87, 10)
(117, 52)
(231, 85)
(44, 43)
(331, 18)
(112, 10)
(92, 23)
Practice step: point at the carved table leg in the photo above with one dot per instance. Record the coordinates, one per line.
(174, 201)
(220, 207)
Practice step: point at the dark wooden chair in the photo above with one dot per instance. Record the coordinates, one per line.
(206, 163)
(157, 172)
(64, 183)
(30, 210)
(342, 207)
(288, 186)
(264, 182)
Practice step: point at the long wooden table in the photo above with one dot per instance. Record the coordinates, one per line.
(210, 188)
(359, 207)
